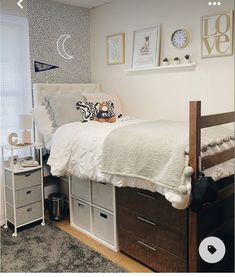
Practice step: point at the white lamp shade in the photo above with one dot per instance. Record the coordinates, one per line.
(25, 121)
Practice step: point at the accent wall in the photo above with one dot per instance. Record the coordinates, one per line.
(51, 23)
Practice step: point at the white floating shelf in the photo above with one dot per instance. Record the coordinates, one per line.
(163, 67)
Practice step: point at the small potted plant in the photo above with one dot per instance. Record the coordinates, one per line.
(176, 60)
(187, 59)
(165, 62)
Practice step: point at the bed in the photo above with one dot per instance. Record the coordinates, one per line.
(76, 165)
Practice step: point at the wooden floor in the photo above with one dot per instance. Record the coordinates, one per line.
(116, 257)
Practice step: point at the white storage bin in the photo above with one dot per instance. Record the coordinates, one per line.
(25, 214)
(103, 225)
(80, 188)
(81, 214)
(102, 195)
(24, 197)
(24, 179)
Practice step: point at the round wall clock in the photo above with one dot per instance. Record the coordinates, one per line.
(180, 38)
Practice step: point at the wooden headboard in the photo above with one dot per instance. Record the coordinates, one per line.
(41, 90)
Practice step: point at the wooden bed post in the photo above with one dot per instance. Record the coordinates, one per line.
(194, 153)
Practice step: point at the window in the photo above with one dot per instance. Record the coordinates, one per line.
(15, 73)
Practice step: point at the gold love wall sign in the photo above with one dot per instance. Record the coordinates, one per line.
(217, 35)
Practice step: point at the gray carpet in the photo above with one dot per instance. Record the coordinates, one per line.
(49, 249)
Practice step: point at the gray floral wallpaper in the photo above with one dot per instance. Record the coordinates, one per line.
(48, 21)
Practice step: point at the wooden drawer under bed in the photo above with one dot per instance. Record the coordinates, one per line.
(150, 255)
(151, 230)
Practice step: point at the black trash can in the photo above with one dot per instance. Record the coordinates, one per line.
(56, 206)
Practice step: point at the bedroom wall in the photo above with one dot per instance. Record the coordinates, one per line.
(49, 20)
(161, 94)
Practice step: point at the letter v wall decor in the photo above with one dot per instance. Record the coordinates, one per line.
(217, 35)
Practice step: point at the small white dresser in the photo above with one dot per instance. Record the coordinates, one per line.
(93, 210)
(23, 193)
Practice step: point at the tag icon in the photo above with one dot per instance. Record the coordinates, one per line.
(211, 249)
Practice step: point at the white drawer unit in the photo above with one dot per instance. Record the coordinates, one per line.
(80, 188)
(102, 195)
(92, 210)
(103, 225)
(23, 191)
(81, 214)
(23, 179)
(24, 197)
(25, 214)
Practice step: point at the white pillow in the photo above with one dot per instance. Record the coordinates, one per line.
(42, 120)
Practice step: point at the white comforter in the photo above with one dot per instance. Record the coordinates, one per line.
(77, 150)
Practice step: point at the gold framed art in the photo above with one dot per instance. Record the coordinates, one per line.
(217, 35)
(115, 47)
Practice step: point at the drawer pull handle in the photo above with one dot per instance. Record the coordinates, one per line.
(145, 220)
(103, 215)
(102, 183)
(80, 205)
(146, 195)
(29, 209)
(27, 174)
(146, 245)
(28, 192)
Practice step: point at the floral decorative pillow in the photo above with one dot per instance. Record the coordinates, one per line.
(90, 109)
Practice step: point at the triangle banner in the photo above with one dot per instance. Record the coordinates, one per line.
(38, 66)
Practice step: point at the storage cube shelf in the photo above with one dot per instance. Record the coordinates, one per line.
(92, 210)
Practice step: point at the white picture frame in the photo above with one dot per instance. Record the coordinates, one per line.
(217, 35)
(146, 47)
(115, 45)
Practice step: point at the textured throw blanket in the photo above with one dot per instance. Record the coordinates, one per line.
(156, 151)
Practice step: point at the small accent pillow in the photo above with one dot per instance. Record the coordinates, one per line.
(42, 120)
(103, 97)
(62, 108)
(90, 109)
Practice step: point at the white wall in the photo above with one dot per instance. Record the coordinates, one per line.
(161, 94)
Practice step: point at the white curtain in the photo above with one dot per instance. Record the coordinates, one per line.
(15, 79)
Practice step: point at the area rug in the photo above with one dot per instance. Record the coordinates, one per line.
(49, 249)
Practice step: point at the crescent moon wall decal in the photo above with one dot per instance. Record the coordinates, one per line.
(61, 47)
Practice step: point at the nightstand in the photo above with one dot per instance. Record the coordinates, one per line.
(23, 189)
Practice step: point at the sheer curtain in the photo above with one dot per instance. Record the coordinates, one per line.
(15, 79)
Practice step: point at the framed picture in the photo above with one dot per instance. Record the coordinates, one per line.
(116, 49)
(217, 35)
(146, 47)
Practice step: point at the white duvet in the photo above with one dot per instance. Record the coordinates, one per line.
(76, 149)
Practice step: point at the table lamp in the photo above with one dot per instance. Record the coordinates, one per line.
(25, 123)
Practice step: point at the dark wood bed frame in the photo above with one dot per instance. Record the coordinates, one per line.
(144, 218)
(198, 122)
